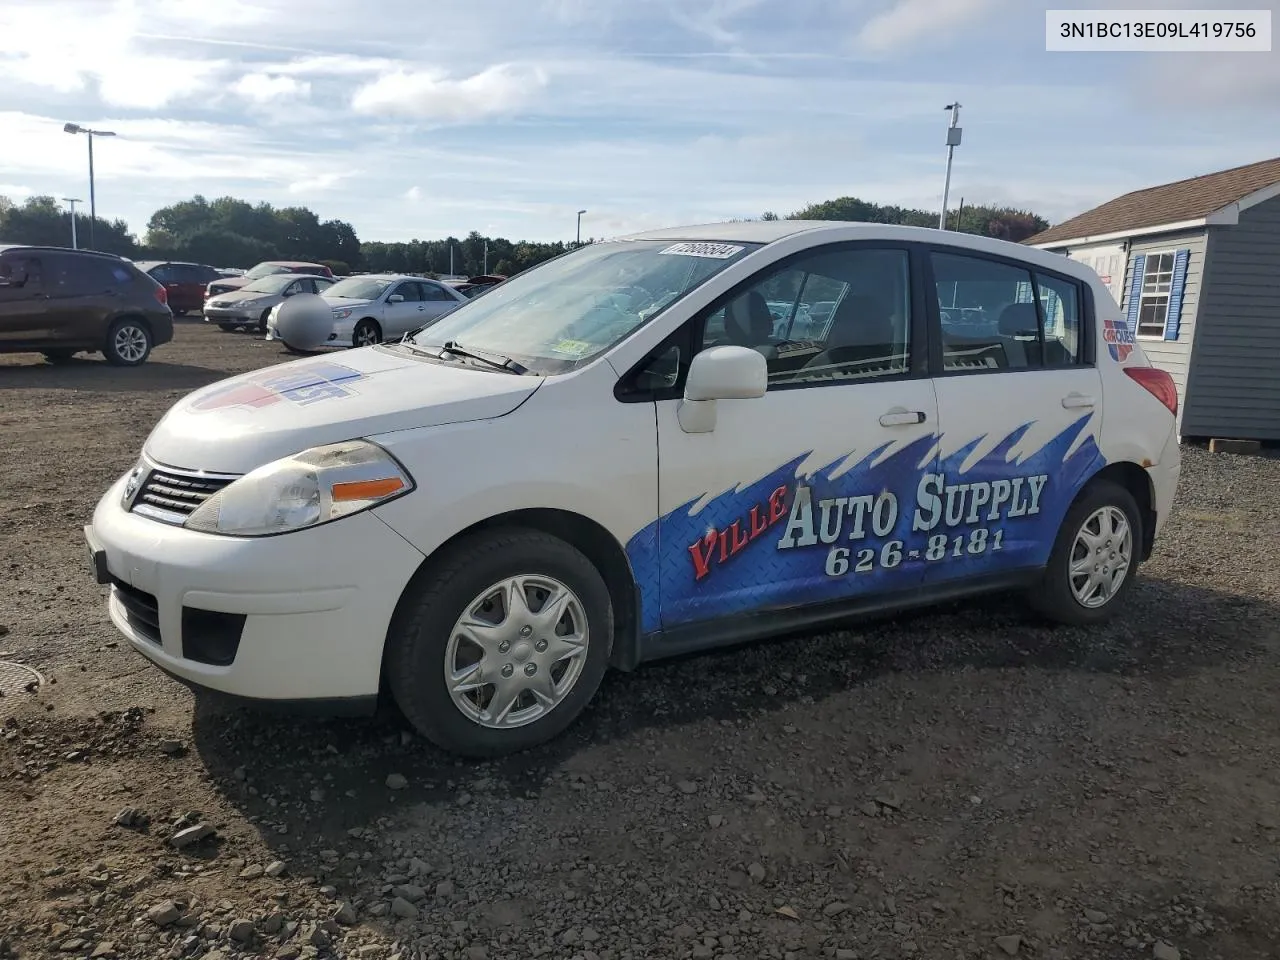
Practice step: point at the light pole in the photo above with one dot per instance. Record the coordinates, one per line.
(73, 201)
(953, 141)
(578, 242)
(93, 206)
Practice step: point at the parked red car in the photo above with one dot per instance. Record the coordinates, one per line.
(185, 282)
(266, 269)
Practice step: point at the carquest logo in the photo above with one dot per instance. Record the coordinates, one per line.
(315, 382)
(1118, 338)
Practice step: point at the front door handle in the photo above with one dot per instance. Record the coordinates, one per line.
(1076, 401)
(898, 417)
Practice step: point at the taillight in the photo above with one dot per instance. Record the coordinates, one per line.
(1158, 383)
(162, 295)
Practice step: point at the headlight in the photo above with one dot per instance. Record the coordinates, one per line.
(304, 490)
(342, 314)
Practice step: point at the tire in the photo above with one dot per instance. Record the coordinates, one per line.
(1057, 597)
(179, 313)
(128, 343)
(262, 320)
(228, 327)
(293, 350)
(367, 332)
(59, 356)
(421, 645)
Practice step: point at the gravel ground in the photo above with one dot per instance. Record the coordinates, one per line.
(962, 782)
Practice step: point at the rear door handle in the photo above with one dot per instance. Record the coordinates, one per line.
(898, 417)
(1075, 401)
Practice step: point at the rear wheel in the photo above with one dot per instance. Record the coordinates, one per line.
(179, 313)
(228, 327)
(59, 356)
(1095, 558)
(500, 643)
(366, 334)
(128, 343)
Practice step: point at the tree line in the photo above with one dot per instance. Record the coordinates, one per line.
(228, 232)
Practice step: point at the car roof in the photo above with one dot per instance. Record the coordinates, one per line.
(50, 248)
(388, 276)
(292, 263)
(771, 231)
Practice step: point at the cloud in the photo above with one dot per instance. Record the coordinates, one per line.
(907, 23)
(319, 183)
(261, 88)
(430, 95)
(1228, 80)
(413, 194)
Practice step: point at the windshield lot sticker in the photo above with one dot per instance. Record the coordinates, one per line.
(572, 348)
(303, 386)
(713, 251)
(887, 523)
(1118, 338)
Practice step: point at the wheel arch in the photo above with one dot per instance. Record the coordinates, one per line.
(595, 542)
(1137, 481)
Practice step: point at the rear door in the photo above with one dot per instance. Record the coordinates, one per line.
(1020, 409)
(83, 292)
(23, 300)
(437, 300)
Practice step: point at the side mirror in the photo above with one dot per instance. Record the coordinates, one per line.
(396, 298)
(720, 373)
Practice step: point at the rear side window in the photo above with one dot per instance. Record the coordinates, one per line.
(432, 292)
(164, 273)
(991, 314)
(70, 275)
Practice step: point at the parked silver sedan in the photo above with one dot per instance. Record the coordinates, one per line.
(251, 304)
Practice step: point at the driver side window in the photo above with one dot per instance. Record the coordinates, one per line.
(410, 291)
(830, 315)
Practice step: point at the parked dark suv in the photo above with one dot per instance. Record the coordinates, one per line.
(59, 302)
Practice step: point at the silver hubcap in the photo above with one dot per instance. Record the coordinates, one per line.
(130, 344)
(1100, 557)
(366, 336)
(516, 651)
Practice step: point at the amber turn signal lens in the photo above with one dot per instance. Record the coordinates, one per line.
(366, 489)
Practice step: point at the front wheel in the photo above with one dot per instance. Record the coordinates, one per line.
(128, 343)
(262, 320)
(1095, 558)
(228, 327)
(59, 356)
(366, 334)
(500, 644)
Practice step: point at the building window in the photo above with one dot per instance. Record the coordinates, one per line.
(1157, 283)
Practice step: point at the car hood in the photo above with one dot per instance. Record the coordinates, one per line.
(226, 284)
(342, 303)
(237, 296)
(236, 425)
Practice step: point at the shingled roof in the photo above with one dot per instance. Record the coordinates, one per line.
(1169, 203)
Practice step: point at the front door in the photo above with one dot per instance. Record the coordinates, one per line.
(407, 314)
(804, 495)
(1020, 406)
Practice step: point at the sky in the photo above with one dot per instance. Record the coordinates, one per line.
(410, 118)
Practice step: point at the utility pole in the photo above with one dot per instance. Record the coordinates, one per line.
(953, 140)
(451, 258)
(959, 213)
(485, 271)
(578, 242)
(73, 201)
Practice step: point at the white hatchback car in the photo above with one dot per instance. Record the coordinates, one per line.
(625, 454)
(371, 308)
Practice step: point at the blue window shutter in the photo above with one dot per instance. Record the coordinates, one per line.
(1174, 320)
(1135, 292)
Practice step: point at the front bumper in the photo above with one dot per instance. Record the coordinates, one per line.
(231, 314)
(299, 616)
(339, 337)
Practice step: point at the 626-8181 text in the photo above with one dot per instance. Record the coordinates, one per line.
(844, 560)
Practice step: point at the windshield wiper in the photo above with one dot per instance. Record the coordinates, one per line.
(497, 361)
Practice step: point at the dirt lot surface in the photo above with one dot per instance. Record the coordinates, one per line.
(964, 782)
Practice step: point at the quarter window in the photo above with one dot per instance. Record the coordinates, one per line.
(1060, 307)
(833, 315)
(1157, 282)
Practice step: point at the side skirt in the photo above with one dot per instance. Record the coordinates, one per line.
(759, 624)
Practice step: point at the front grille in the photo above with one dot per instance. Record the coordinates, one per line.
(176, 493)
(140, 609)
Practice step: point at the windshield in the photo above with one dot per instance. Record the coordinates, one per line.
(358, 288)
(265, 270)
(564, 313)
(272, 284)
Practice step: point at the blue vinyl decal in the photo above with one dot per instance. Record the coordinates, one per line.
(847, 530)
